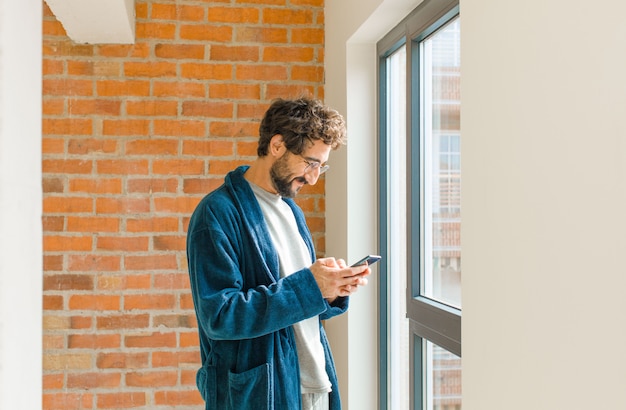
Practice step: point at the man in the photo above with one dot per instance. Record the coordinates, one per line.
(258, 290)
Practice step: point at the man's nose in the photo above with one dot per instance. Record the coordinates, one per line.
(312, 176)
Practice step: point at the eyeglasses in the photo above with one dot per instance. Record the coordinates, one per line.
(312, 166)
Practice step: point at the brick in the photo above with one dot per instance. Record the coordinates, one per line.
(217, 167)
(155, 30)
(53, 302)
(212, 109)
(94, 302)
(80, 322)
(178, 167)
(94, 341)
(122, 167)
(67, 126)
(233, 129)
(52, 67)
(65, 47)
(68, 282)
(67, 401)
(53, 106)
(126, 88)
(53, 381)
(123, 321)
(64, 361)
(176, 321)
(149, 302)
(201, 185)
(261, 72)
(93, 380)
(152, 108)
(247, 148)
(52, 263)
(152, 340)
(163, 12)
(182, 205)
(235, 91)
(67, 87)
(126, 127)
(186, 301)
(179, 88)
(149, 69)
(178, 398)
(122, 205)
(190, 339)
(90, 68)
(171, 281)
(154, 224)
(151, 147)
(288, 54)
(53, 223)
(57, 204)
(120, 400)
(188, 377)
(95, 262)
(122, 360)
(57, 243)
(84, 146)
(188, 128)
(283, 16)
(151, 185)
(53, 185)
(125, 244)
(96, 185)
(308, 73)
(263, 34)
(204, 71)
(209, 147)
(206, 33)
(175, 359)
(123, 282)
(180, 51)
(169, 243)
(92, 224)
(314, 3)
(287, 91)
(150, 379)
(153, 262)
(234, 15)
(53, 145)
(234, 53)
(67, 166)
(307, 36)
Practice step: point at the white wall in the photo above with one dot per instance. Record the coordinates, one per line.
(544, 204)
(20, 204)
(544, 194)
(352, 29)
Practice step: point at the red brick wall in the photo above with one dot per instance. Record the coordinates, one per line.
(133, 137)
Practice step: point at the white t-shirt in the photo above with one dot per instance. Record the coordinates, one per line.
(293, 255)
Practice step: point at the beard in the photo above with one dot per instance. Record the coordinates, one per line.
(282, 180)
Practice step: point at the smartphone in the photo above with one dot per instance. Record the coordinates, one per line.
(370, 259)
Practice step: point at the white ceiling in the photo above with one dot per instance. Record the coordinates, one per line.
(96, 21)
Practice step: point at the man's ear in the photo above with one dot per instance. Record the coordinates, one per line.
(277, 146)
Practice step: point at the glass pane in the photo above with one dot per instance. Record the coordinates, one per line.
(443, 379)
(398, 352)
(441, 164)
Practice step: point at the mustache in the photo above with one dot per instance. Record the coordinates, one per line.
(301, 180)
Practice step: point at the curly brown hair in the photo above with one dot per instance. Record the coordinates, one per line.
(301, 122)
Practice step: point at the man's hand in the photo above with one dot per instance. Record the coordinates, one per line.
(335, 278)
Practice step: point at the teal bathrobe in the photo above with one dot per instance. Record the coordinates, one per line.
(245, 311)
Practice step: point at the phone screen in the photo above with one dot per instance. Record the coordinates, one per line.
(370, 259)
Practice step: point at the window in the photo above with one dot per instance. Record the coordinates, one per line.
(420, 185)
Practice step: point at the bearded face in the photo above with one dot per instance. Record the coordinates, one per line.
(283, 178)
